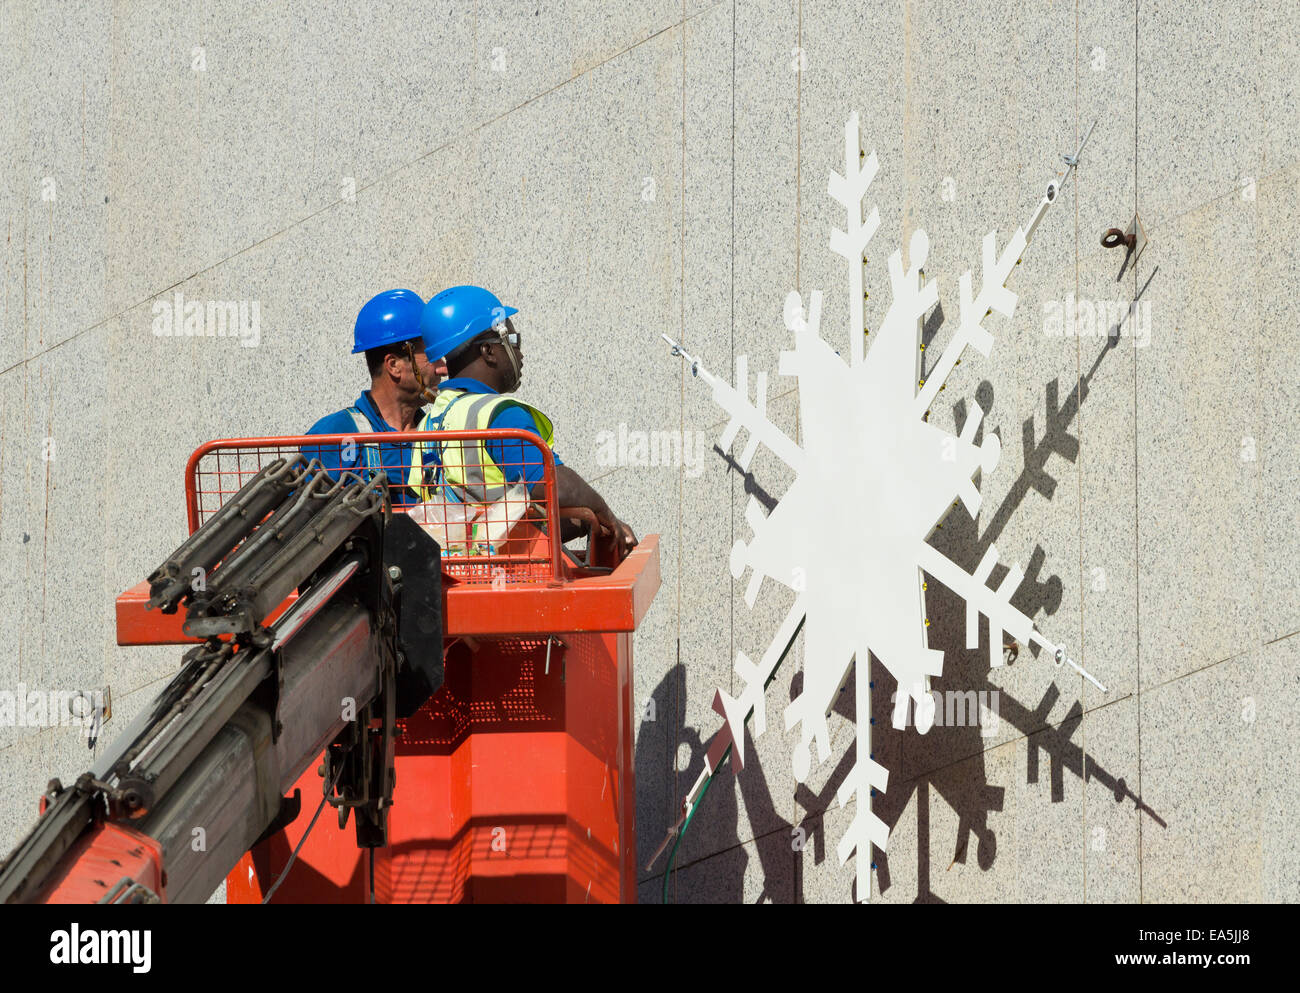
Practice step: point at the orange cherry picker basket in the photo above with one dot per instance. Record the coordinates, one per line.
(515, 780)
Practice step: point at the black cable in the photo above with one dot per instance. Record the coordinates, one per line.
(289, 865)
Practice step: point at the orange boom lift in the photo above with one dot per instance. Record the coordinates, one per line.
(446, 675)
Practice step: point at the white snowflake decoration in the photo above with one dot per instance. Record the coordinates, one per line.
(873, 479)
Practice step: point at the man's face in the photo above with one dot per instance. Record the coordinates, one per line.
(430, 372)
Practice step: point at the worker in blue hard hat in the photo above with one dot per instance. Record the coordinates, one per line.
(402, 381)
(483, 353)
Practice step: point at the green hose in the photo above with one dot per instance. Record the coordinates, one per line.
(672, 856)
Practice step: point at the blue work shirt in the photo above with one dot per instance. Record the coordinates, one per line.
(518, 459)
(395, 456)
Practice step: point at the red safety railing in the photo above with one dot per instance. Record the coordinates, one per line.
(499, 534)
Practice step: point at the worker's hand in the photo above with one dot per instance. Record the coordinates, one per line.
(611, 525)
(627, 537)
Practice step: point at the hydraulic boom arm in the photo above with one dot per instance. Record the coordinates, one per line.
(201, 775)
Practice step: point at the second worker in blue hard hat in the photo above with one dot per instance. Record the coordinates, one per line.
(483, 351)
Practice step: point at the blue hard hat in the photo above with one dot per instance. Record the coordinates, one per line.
(457, 315)
(387, 319)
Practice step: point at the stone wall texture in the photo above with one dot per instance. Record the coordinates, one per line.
(618, 170)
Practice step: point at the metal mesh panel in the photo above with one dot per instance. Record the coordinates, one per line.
(488, 515)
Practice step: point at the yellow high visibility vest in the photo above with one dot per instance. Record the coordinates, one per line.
(468, 473)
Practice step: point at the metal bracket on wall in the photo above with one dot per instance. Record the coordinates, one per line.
(1133, 239)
